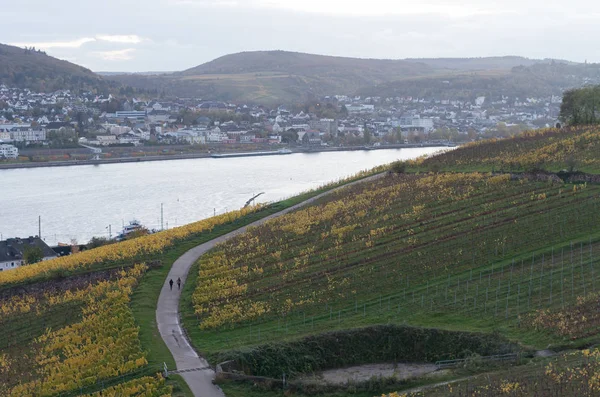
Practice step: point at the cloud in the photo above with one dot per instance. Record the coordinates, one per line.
(77, 43)
(116, 55)
(360, 8)
(212, 3)
(57, 44)
(126, 39)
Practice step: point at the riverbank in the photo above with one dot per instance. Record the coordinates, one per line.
(187, 156)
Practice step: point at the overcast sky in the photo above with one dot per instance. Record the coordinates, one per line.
(169, 35)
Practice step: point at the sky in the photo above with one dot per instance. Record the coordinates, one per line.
(172, 35)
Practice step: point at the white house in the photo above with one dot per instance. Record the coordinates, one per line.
(5, 136)
(216, 136)
(8, 151)
(12, 251)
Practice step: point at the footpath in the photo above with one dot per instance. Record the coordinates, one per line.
(200, 374)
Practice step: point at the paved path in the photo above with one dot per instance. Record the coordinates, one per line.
(167, 309)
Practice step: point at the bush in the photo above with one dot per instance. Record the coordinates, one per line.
(399, 167)
(382, 343)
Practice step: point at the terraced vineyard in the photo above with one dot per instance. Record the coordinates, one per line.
(75, 338)
(550, 149)
(461, 251)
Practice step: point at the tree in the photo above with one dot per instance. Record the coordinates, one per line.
(33, 255)
(581, 106)
(290, 136)
(367, 135)
(96, 242)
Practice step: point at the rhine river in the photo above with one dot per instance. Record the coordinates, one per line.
(80, 202)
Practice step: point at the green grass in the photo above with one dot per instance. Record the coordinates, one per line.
(180, 387)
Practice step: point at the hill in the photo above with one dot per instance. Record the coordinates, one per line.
(481, 63)
(276, 77)
(309, 65)
(25, 68)
(285, 77)
(537, 80)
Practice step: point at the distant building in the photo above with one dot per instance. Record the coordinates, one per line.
(106, 140)
(328, 126)
(360, 108)
(12, 251)
(130, 115)
(28, 135)
(8, 151)
(414, 124)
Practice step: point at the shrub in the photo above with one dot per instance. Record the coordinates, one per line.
(381, 343)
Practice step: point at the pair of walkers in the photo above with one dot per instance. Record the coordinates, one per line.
(178, 283)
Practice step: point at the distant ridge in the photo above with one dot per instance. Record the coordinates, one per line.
(275, 77)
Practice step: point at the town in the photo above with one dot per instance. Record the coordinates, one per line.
(66, 126)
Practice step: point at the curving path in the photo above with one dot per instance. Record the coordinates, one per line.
(167, 309)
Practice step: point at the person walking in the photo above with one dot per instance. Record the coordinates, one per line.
(171, 284)
(179, 283)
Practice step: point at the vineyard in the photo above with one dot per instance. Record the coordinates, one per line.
(115, 255)
(550, 149)
(60, 341)
(471, 252)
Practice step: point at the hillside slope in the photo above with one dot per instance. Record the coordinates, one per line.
(537, 80)
(40, 72)
(571, 149)
(481, 63)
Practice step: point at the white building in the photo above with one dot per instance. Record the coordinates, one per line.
(426, 124)
(8, 151)
(106, 140)
(27, 135)
(216, 136)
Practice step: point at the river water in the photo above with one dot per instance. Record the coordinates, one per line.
(80, 202)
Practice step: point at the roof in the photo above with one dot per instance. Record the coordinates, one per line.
(55, 125)
(13, 248)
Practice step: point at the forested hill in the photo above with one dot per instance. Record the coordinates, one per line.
(27, 68)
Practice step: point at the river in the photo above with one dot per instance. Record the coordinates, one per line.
(79, 202)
